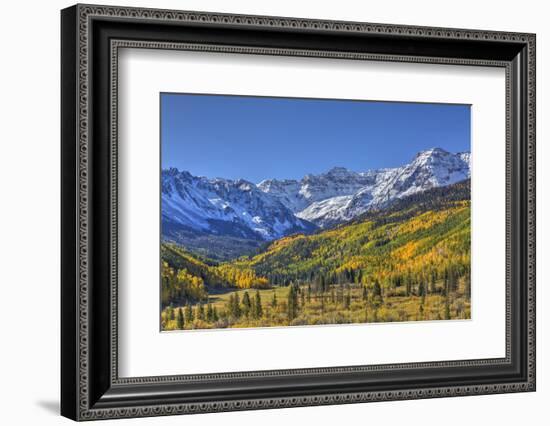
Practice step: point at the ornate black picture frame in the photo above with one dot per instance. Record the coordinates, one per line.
(91, 387)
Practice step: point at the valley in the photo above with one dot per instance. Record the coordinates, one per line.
(407, 260)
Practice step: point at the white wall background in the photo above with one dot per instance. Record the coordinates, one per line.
(29, 213)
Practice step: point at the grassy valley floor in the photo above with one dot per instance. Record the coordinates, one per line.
(346, 304)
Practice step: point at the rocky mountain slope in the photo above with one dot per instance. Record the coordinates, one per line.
(340, 195)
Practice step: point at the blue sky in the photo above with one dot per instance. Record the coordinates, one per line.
(258, 138)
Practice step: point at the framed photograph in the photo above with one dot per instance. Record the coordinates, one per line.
(263, 212)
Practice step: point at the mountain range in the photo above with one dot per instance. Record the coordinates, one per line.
(238, 215)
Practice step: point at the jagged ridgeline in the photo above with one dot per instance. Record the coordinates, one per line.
(409, 260)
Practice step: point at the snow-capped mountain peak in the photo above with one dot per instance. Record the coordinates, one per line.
(339, 172)
(221, 206)
(339, 194)
(274, 208)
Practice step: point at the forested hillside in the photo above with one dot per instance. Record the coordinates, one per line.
(418, 237)
(186, 279)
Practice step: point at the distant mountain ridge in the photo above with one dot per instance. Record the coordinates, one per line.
(238, 209)
(340, 195)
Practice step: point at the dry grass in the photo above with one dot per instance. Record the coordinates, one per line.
(395, 306)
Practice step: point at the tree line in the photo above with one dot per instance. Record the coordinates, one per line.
(318, 297)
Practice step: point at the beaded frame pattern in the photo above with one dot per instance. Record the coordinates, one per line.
(87, 12)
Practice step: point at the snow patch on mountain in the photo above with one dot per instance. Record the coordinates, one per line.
(299, 195)
(328, 209)
(221, 206)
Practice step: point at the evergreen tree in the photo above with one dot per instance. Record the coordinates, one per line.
(347, 300)
(179, 320)
(453, 281)
(247, 305)
(200, 312)
(446, 282)
(376, 289)
(209, 312)
(421, 290)
(170, 313)
(375, 315)
(309, 293)
(340, 294)
(365, 293)
(292, 303)
(236, 312)
(377, 293)
(252, 312)
(422, 293)
(274, 300)
(258, 305)
(188, 314)
(230, 302)
(447, 309)
(215, 316)
(432, 283)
